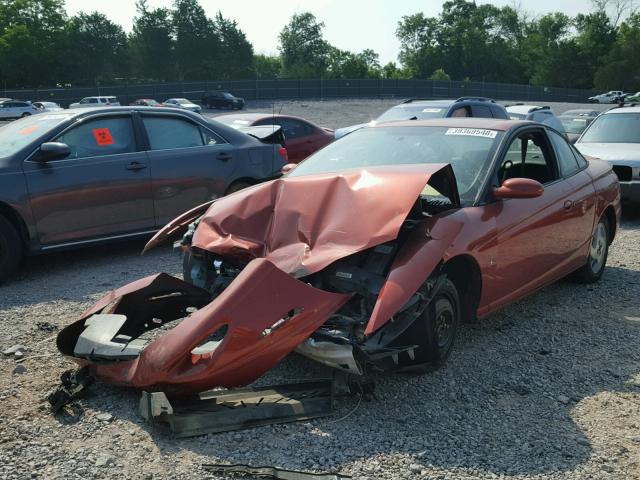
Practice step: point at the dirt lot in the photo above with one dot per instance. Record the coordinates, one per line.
(547, 388)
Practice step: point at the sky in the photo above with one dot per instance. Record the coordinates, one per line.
(349, 24)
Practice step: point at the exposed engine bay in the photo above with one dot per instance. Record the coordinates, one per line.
(246, 301)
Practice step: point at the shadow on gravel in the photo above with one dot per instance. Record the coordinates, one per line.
(508, 402)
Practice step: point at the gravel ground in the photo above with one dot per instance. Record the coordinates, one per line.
(547, 388)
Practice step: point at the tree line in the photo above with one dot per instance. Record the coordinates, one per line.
(40, 45)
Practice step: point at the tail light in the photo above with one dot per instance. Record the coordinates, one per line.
(283, 153)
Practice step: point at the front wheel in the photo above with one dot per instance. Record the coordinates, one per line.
(434, 332)
(25, 114)
(598, 253)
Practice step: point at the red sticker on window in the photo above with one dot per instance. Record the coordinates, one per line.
(28, 130)
(103, 136)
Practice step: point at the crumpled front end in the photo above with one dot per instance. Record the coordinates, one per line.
(227, 341)
(338, 267)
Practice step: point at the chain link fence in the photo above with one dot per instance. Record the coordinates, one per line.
(308, 89)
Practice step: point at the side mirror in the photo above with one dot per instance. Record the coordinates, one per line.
(518, 188)
(54, 151)
(288, 167)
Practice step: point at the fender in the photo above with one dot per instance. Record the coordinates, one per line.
(176, 227)
(416, 260)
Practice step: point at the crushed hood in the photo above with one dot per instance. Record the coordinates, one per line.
(303, 224)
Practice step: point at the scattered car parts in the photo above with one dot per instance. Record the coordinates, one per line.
(222, 411)
(273, 472)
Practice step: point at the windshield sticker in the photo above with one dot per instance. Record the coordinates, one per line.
(473, 132)
(103, 136)
(431, 110)
(28, 130)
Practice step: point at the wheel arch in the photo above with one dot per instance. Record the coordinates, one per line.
(464, 271)
(610, 214)
(16, 220)
(236, 181)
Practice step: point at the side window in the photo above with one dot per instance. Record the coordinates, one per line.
(528, 156)
(481, 111)
(101, 136)
(582, 162)
(566, 159)
(461, 112)
(93, 100)
(167, 133)
(292, 128)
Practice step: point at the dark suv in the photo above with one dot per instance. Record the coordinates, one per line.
(414, 109)
(219, 99)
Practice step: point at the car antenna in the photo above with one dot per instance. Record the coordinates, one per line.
(281, 107)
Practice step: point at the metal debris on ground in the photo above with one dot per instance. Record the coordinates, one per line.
(72, 386)
(273, 472)
(217, 411)
(46, 326)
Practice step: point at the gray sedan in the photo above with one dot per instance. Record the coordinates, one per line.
(78, 177)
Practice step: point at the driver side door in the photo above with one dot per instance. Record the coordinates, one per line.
(103, 188)
(534, 243)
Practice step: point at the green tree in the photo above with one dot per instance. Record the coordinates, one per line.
(197, 44)
(96, 50)
(235, 57)
(440, 74)
(621, 67)
(267, 67)
(303, 48)
(31, 41)
(151, 43)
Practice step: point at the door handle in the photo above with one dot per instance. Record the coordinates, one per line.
(136, 166)
(568, 204)
(224, 156)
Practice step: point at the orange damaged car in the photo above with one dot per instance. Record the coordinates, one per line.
(367, 255)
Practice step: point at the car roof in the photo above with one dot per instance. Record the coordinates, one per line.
(130, 108)
(586, 112)
(255, 116)
(615, 110)
(468, 122)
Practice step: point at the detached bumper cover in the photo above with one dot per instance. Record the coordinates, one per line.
(263, 315)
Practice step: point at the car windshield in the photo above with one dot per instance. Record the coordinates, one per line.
(17, 135)
(614, 128)
(517, 116)
(468, 150)
(227, 95)
(573, 124)
(407, 112)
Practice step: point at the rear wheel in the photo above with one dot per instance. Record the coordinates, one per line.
(434, 332)
(25, 114)
(10, 249)
(598, 252)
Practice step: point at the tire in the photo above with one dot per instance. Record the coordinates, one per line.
(236, 187)
(11, 249)
(25, 114)
(593, 269)
(434, 332)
